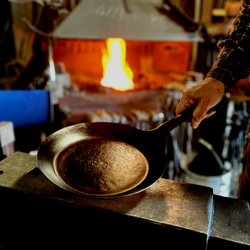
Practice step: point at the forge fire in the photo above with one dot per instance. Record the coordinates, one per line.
(116, 72)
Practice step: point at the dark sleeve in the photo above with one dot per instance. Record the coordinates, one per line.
(233, 62)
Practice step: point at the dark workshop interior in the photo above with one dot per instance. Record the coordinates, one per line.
(83, 85)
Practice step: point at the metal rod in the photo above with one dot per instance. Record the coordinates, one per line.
(127, 6)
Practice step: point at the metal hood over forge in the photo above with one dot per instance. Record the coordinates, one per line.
(130, 20)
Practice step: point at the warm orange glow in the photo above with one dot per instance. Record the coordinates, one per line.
(116, 72)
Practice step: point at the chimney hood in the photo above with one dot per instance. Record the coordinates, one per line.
(127, 19)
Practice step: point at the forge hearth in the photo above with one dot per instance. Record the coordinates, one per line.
(154, 64)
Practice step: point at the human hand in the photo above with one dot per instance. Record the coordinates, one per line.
(204, 96)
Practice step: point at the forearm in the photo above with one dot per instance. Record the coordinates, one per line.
(233, 59)
(230, 67)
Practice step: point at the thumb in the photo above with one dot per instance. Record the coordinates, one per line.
(199, 114)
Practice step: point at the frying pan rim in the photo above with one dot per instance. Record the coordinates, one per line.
(45, 164)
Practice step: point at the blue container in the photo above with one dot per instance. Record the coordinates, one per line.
(25, 107)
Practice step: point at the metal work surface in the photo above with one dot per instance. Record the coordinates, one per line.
(168, 209)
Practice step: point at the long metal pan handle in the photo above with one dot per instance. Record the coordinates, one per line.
(170, 124)
(186, 115)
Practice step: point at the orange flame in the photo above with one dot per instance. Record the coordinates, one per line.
(116, 72)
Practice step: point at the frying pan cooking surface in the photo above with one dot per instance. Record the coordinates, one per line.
(109, 167)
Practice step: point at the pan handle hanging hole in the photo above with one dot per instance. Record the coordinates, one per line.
(1, 172)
